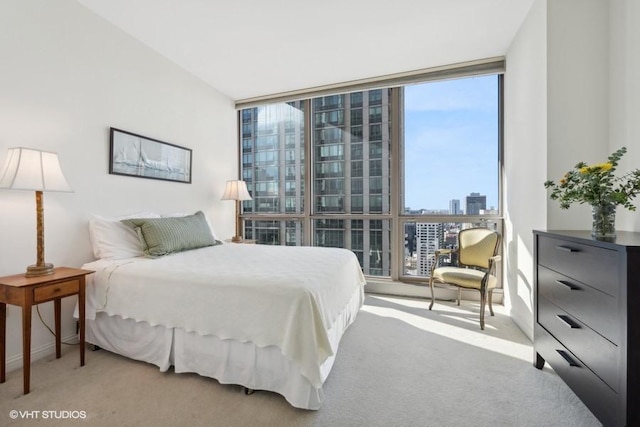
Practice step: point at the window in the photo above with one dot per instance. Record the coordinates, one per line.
(287, 233)
(451, 130)
(444, 161)
(375, 132)
(356, 99)
(356, 134)
(331, 118)
(356, 117)
(375, 97)
(375, 114)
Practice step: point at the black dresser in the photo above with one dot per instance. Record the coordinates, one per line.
(587, 319)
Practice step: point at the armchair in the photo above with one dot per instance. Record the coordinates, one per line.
(477, 255)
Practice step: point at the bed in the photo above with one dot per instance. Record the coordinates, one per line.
(263, 317)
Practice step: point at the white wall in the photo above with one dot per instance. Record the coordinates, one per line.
(66, 77)
(525, 159)
(624, 70)
(568, 123)
(578, 96)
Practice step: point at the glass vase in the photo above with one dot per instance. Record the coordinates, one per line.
(604, 221)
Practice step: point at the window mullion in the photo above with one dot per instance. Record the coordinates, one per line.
(396, 153)
(308, 174)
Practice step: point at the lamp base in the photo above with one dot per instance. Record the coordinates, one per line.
(236, 239)
(39, 270)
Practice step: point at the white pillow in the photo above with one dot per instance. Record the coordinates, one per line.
(112, 239)
(180, 214)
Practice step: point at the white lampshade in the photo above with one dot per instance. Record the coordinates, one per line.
(39, 171)
(27, 169)
(236, 190)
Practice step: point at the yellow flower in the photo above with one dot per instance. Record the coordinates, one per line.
(596, 184)
(601, 167)
(605, 166)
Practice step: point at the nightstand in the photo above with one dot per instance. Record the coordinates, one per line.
(29, 291)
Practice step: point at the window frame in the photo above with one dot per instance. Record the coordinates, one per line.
(396, 217)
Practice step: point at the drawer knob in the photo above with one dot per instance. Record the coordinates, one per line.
(568, 285)
(566, 249)
(566, 320)
(568, 358)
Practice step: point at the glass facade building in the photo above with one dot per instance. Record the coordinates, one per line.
(350, 165)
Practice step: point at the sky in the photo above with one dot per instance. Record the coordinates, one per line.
(451, 142)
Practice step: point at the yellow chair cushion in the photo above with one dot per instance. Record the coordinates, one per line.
(464, 277)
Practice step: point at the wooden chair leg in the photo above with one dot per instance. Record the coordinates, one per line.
(433, 297)
(459, 295)
(483, 302)
(490, 301)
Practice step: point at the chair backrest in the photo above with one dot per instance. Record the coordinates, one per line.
(476, 246)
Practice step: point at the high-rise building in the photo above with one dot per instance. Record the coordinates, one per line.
(410, 237)
(429, 238)
(272, 166)
(350, 172)
(475, 202)
(454, 207)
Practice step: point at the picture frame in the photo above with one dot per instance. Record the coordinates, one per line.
(139, 156)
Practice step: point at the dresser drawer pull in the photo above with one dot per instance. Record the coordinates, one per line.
(568, 358)
(566, 249)
(568, 285)
(568, 321)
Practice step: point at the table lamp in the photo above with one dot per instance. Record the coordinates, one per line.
(34, 170)
(236, 190)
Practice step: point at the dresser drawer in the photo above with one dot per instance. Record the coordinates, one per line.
(46, 293)
(598, 397)
(596, 309)
(599, 354)
(597, 267)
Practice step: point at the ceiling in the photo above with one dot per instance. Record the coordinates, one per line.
(249, 48)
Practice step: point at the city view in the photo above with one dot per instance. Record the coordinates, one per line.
(449, 168)
(422, 239)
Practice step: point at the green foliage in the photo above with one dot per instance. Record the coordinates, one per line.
(596, 184)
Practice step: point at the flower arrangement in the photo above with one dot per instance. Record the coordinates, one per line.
(597, 185)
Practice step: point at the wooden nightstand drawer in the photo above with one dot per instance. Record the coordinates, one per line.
(597, 267)
(46, 293)
(591, 306)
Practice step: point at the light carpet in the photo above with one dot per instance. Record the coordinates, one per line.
(399, 364)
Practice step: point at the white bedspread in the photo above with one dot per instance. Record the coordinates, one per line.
(269, 295)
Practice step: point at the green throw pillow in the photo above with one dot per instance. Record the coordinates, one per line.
(163, 236)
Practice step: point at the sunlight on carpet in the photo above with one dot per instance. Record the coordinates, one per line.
(456, 323)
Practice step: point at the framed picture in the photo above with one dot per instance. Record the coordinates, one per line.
(137, 155)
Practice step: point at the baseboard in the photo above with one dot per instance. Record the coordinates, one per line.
(421, 291)
(15, 362)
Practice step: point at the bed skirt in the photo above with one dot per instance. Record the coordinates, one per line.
(228, 361)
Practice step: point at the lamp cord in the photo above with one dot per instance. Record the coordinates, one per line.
(106, 295)
(51, 330)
